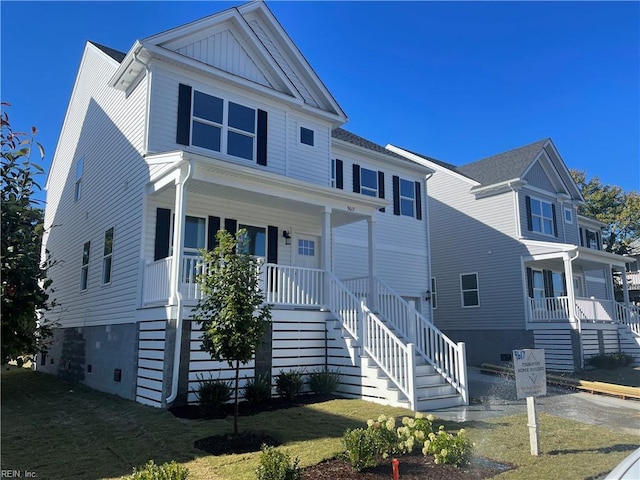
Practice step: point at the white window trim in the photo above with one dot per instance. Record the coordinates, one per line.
(401, 197)
(477, 289)
(542, 217)
(570, 212)
(369, 189)
(332, 173)
(434, 293)
(312, 130)
(108, 255)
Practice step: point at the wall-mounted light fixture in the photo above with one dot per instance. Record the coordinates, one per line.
(427, 295)
(287, 237)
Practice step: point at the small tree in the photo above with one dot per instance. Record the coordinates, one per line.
(24, 282)
(231, 311)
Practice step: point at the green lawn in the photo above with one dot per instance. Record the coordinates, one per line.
(67, 431)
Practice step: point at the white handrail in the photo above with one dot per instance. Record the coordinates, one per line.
(156, 280)
(288, 285)
(344, 305)
(629, 316)
(549, 309)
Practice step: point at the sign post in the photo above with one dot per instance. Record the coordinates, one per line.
(531, 382)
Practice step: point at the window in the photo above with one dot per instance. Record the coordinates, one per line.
(107, 256)
(568, 215)
(537, 286)
(78, 189)
(593, 240)
(470, 291)
(194, 235)
(333, 172)
(306, 136)
(337, 174)
(407, 198)
(542, 218)
(368, 182)
(306, 247)
(434, 291)
(208, 130)
(84, 272)
(256, 241)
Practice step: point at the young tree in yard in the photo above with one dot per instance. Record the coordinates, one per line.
(610, 204)
(231, 311)
(24, 280)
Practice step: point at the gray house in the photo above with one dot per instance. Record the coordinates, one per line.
(514, 266)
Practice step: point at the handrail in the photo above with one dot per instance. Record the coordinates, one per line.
(343, 304)
(629, 316)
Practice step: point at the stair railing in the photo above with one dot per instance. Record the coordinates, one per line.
(629, 316)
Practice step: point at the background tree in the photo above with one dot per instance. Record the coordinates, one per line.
(610, 204)
(24, 280)
(231, 311)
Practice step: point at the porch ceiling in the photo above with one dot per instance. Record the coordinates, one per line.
(587, 258)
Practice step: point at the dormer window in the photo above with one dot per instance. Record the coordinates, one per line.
(541, 216)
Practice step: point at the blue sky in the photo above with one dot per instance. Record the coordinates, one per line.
(458, 81)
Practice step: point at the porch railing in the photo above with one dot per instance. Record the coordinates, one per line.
(549, 309)
(286, 285)
(629, 316)
(156, 281)
(595, 310)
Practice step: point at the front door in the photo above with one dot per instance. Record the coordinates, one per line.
(306, 251)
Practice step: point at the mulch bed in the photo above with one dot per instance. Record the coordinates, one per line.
(244, 442)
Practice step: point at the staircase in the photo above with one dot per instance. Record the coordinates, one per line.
(403, 359)
(628, 319)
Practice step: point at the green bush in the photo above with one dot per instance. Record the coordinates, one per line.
(166, 471)
(212, 395)
(361, 447)
(276, 465)
(258, 390)
(289, 384)
(414, 432)
(324, 382)
(610, 360)
(454, 449)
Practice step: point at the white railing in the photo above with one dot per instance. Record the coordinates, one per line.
(344, 305)
(393, 357)
(548, 309)
(633, 280)
(629, 316)
(286, 285)
(594, 310)
(156, 281)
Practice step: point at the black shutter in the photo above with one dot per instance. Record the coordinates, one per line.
(547, 276)
(214, 226)
(231, 226)
(163, 233)
(587, 237)
(261, 149)
(555, 223)
(356, 178)
(418, 202)
(598, 244)
(396, 195)
(529, 219)
(380, 184)
(339, 174)
(581, 237)
(272, 244)
(184, 115)
(530, 282)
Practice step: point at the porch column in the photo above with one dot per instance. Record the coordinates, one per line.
(571, 294)
(326, 239)
(625, 287)
(373, 290)
(178, 235)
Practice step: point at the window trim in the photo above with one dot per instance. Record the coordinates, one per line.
(368, 188)
(84, 270)
(300, 136)
(402, 197)
(107, 257)
(542, 217)
(434, 293)
(477, 290)
(570, 212)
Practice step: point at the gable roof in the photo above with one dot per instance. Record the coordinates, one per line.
(504, 166)
(352, 138)
(115, 54)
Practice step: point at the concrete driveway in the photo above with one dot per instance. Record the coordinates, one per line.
(494, 396)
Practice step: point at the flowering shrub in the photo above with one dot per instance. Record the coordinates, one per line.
(414, 431)
(452, 448)
(361, 448)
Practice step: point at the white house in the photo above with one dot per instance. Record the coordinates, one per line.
(514, 266)
(222, 123)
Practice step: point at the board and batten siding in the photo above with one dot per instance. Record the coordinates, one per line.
(470, 235)
(537, 177)
(105, 128)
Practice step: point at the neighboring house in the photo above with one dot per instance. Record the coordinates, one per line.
(632, 274)
(222, 124)
(514, 266)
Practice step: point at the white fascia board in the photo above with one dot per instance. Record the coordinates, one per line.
(192, 27)
(591, 222)
(432, 165)
(559, 164)
(123, 76)
(356, 149)
(496, 188)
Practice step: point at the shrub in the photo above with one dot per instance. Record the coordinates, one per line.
(289, 384)
(166, 471)
(212, 395)
(361, 447)
(610, 360)
(324, 382)
(383, 432)
(414, 432)
(276, 465)
(258, 390)
(455, 449)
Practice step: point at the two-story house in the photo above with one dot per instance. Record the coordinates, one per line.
(223, 124)
(514, 266)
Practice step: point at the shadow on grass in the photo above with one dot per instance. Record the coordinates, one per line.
(624, 447)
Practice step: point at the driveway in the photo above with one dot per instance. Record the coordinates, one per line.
(495, 396)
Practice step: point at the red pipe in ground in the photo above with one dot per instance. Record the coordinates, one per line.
(396, 468)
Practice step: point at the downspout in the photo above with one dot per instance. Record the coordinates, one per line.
(427, 221)
(178, 295)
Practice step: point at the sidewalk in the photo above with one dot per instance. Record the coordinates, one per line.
(495, 396)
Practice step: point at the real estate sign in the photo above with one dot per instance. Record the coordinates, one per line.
(531, 375)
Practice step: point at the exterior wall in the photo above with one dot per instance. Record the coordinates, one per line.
(92, 354)
(489, 346)
(537, 177)
(112, 196)
(470, 235)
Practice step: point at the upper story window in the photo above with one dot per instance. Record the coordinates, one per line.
(470, 290)
(590, 239)
(306, 136)
(337, 167)
(107, 257)
(434, 293)
(541, 216)
(568, 215)
(78, 188)
(368, 182)
(84, 272)
(407, 200)
(220, 125)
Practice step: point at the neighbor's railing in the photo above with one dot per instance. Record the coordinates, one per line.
(629, 316)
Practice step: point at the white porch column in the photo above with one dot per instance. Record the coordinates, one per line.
(326, 239)
(571, 294)
(373, 290)
(178, 235)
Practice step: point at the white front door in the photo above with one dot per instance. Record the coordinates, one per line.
(307, 251)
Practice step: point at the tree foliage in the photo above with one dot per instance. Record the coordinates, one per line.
(610, 204)
(24, 283)
(231, 311)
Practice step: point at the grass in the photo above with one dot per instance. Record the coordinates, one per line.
(629, 376)
(67, 431)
